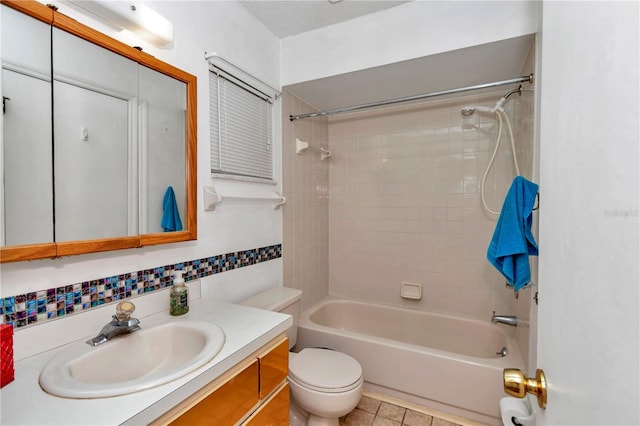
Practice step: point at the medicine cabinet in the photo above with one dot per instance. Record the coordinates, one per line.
(99, 140)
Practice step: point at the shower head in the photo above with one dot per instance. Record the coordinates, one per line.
(468, 111)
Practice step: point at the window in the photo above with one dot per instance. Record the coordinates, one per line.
(241, 128)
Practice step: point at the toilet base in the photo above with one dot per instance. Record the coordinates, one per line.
(314, 420)
(299, 417)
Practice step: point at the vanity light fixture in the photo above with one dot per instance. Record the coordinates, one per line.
(134, 17)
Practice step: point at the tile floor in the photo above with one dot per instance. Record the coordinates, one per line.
(374, 412)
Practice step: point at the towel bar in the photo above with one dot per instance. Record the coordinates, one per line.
(213, 198)
(526, 286)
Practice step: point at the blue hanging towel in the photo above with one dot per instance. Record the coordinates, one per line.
(170, 214)
(512, 241)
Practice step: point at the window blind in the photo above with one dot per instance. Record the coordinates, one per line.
(241, 129)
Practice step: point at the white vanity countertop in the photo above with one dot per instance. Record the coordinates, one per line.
(23, 402)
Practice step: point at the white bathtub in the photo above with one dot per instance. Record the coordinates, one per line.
(441, 361)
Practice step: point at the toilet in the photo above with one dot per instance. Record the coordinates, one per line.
(324, 383)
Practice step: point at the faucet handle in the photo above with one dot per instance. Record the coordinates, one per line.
(124, 310)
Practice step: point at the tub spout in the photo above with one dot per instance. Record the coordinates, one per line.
(511, 320)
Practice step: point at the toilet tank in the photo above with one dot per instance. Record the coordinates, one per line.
(279, 299)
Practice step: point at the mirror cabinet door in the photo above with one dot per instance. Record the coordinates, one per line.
(95, 104)
(163, 161)
(27, 185)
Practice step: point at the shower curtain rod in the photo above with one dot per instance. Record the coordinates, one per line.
(528, 78)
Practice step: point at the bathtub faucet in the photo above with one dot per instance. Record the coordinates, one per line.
(511, 320)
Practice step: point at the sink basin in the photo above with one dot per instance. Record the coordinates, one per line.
(132, 362)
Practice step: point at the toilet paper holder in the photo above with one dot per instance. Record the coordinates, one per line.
(518, 412)
(518, 385)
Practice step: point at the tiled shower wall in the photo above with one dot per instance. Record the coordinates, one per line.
(405, 204)
(305, 237)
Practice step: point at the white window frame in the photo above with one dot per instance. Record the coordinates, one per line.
(247, 135)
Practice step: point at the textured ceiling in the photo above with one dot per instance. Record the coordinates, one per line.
(291, 17)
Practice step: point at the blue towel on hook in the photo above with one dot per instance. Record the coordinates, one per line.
(512, 241)
(170, 214)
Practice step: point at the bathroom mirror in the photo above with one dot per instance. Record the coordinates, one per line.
(99, 139)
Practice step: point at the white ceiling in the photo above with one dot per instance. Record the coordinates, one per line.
(480, 64)
(291, 17)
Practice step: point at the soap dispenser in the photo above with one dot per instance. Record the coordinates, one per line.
(179, 296)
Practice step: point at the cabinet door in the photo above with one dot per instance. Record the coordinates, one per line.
(226, 405)
(26, 187)
(274, 367)
(27, 184)
(95, 94)
(275, 411)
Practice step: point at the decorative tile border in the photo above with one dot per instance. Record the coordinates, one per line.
(39, 306)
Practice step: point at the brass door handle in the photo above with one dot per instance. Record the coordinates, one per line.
(518, 385)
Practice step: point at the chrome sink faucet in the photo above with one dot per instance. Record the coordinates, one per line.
(511, 320)
(120, 324)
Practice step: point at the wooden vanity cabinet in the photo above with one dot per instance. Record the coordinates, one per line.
(274, 412)
(274, 367)
(255, 392)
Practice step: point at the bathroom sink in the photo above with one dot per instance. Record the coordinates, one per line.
(132, 362)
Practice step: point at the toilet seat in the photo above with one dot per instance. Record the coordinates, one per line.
(324, 370)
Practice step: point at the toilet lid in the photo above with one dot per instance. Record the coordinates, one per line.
(325, 370)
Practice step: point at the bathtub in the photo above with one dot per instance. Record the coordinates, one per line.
(441, 361)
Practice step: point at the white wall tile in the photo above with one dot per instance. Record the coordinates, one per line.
(412, 211)
(306, 214)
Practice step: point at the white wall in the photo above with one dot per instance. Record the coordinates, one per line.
(412, 30)
(588, 334)
(229, 29)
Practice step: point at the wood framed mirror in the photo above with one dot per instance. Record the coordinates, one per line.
(99, 141)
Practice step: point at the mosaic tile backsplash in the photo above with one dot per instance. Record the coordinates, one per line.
(39, 306)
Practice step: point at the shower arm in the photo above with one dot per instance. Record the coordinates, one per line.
(519, 91)
(511, 92)
(468, 111)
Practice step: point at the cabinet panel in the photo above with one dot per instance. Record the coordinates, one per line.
(228, 404)
(274, 367)
(28, 175)
(275, 411)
